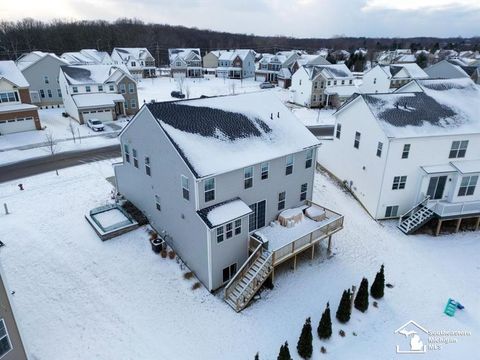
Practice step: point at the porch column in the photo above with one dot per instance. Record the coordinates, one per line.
(459, 222)
(439, 226)
(477, 225)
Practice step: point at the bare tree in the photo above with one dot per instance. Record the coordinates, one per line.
(52, 146)
(72, 129)
(232, 87)
(187, 91)
(180, 83)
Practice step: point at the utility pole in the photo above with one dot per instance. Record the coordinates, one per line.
(157, 50)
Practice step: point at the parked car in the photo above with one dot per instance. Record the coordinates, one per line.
(95, 124)
(266, 85)
(177, 94)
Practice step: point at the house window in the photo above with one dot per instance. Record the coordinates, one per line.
(42, 93)
(209, 187)
(122, 88)
(111, 87)
(315, 84)
(379, 149)
(229, 230)
(458, 149)
(219, 234)
(135, 160)
(399, 182)
(49, 93)
(157, 203)
(335, 82)
(303, 191)
(10, 96)
(350, 82)
(126, 105)
(248, 177)
(300, 82)
(133, 104)
(329, 83)
(339, 131)
(467, 186)
(185, 188)
(126, 150)
(147, 166)
(5, 344)
(264, 168)
(308, 158)
(46, 79)
(356, 142)
(74, 89)
(87, 88)
(134, 63)
(406, 151)
(100, 88)
(59, 93)
(229, 272)
(343, 82)
(238, 226)
(289, 165)
(375, 80)
(391, 211)
(131, 88)
(281, 200)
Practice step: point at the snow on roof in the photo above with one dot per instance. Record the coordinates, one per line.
(221, 134)
(77, 58)
(409, 58)
(224, 212)
(183, 53)
(414, 71)
(97, 99)
(333, 71)
(436, 169)
(467, 166)
(307, 59)
(284, 73)
(33, 57)
(135, 53)
(445, 107)
(232, 54)
(98, 56)
(10, 72)
(342, 90)
(16, 107)
(90, 74)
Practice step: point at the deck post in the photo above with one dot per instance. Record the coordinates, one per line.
(329, 249)
(459, 222)
(273, 274)
(477, 225)
(313, 250)
(439, 226)
(295, 263)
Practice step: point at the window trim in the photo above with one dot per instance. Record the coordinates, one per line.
(158, 204)
(308, 158)
(379, 149)
(220, 234)
(459, 152)
(185, 190)
(126, 151)
(135, 157)
(237, 226)
(7, 335)
(338, 131)
(303, 191)
(264, 173)
(148, 169)
(399, 182)
(289, 165)
(356, 141)
(391, 213)
(469, 186)
(406, 151)
(282, 195)
(248, 180)
(205, 191)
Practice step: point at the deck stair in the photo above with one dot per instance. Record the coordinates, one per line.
(415, 218)
(248, 280)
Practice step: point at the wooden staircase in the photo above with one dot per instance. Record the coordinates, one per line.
(248, 280)
(415, 218)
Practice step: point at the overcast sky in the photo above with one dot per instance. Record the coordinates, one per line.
(298, 18)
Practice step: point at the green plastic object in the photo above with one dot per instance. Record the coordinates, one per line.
(450, 308)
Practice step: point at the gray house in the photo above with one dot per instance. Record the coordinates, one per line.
(41, 71)
(236, 64)
(213, 175)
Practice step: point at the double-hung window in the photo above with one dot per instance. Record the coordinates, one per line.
(264, 171)
(458, 149)
(229, 230)
(289, 164)
(219, 234)
(281, 200)
(406, 151)
(238, 226)
(74, 89)
(131, 88)
(303, 191)
(100, 88)
(379, 149)
(126, 150)
(399, 182)
(5, 343)
(356, 142)
(338, 133)
(148, 171)
(248, 177)
(185, 188)
(88, 89)
(209, 187)
(46, 79)
(122, 88)
(135, 159)
(157, 203)
(309, 158)
(467, 186)
(49, 93)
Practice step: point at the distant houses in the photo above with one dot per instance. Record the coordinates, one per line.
(185, 62)
(269, 65)
(17, 113)
(210, 61)
(103, 92)
(139, 62)
(236, 64)
(88, 57)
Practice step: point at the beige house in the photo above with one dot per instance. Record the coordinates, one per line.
(210, 60)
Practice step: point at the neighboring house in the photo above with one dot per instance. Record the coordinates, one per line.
(391, 56)
(417, 148)
(185, 62)
(209, 173)
(445, 54)
(16, 111)
(210, 60)
(269, 66)
(11, 345)
(104, 92)
(284, 76)
(236, 64)
(322, 85)
(88, 57)
(138, 61)
(41, 71)
(445, 70)
(385, 78)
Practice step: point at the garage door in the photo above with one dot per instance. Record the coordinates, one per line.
(102, 115)
(16, 125)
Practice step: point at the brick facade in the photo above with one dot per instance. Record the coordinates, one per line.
(25, 96)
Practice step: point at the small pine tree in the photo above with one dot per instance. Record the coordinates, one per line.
(304, 345)
(284, 352)
(324, 329)
(361, 300)
(378, 285)
(344, 310)
(257, 357)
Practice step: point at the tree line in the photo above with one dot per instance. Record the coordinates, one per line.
(61, 36)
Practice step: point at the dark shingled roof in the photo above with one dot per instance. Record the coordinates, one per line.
(77, 73)
(410, 109)
(203, 213)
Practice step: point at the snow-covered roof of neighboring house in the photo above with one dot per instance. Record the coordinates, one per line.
(98, 56)
(220, 134)
(442, 107)
(224, 212)
(232, 54)
(93, 74)
(307, 59)
(412, 69)
(10, 72)
(183, 53)
(97, 99)
(77, 58)
(408, 58)
(284, 73)
(6, 108)
(333, 71)
(450, 70)
(132, 53)
(342, 90)
(28, 59)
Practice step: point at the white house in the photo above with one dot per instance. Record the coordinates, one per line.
(185, 62)
(324, 85)
(269, 66)
(236, 64)
(415, 149)
(386, 78)
(104, 92)
(138, 61)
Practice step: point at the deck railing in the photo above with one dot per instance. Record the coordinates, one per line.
(443, 208)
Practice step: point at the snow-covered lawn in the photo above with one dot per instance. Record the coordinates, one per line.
(78, 297)
(311, 117)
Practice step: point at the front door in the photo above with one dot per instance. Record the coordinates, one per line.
(436, 187)
(257, 217)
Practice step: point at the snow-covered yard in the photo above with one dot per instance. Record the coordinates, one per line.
(78, 297)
